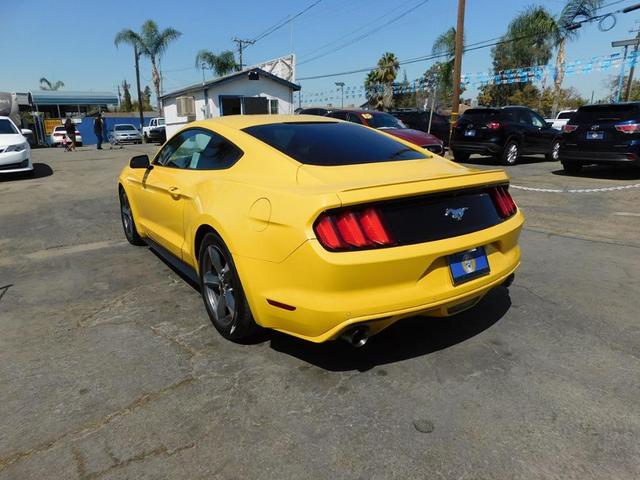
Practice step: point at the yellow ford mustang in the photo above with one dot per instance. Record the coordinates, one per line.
(320, 228)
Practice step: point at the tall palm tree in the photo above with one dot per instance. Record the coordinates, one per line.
(372, 89)
(221, 64)
(152, 43)
(564, 32)
(47, 85)
(388, 67)
(445, 45)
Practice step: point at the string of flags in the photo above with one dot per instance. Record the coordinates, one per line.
(530, 74)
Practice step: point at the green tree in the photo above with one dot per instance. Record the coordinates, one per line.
(126, 105)
(388, 67)
(152, 43)
(221, 64)
(524, 44)
(47, 85)
(373, 89)
(442, 74)
(146, 98)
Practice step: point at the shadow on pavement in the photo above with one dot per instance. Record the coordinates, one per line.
(492, 161)
(604, 172)
(40, 170)
(409, 338)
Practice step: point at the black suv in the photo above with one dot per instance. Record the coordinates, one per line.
(604, 134)
(419, 120)
(505, 133)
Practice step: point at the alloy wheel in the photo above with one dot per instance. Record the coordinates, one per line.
(217, 279)
(127, 217)
(555, 152)
(512, 154)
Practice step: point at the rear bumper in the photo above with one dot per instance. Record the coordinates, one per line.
(585, 156)
(333, 291)
(489, 148)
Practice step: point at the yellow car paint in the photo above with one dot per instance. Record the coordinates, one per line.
(264, 208)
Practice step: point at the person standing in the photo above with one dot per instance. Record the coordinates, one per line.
(70, 128)
(98, 128)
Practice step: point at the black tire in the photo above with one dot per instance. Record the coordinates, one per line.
(459, 156)
(222, 291)
(510, 153)
(554, 154)
(128, 223)
(571, 168)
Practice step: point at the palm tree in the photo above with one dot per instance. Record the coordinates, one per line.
(372, 89)
(388, 67)
(221, 64)
(152, 43)
(445, 45)
(564, 32)
(47, 85)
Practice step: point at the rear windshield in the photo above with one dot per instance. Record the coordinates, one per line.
(480, 114)
(331, 144)
(565, 115)
(606, 113)
(383, 120)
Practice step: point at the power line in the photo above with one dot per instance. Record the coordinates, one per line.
(366, 34)
(282, 23)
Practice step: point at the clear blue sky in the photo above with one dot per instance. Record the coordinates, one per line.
(76, 44)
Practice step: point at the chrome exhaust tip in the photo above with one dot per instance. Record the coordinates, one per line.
(356, 337)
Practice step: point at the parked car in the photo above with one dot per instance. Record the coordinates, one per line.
(561, 119)
(126, 133)
(602, 134)
(505, 133)
(391, 125)
(419, 120)
(59, 133)
(15, 153)
(155, 131)
(299, 222)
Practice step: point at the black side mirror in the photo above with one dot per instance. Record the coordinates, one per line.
(140, 161)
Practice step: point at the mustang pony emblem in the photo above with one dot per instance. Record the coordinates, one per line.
(455, 213)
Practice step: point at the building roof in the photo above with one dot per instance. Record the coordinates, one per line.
(231, 77)
(65, 97)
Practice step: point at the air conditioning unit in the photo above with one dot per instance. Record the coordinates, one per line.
(186, 106)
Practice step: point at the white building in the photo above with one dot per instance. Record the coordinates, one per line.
(250, 91)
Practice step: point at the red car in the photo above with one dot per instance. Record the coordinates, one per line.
(391, 125)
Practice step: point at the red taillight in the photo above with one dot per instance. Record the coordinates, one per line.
(628, 127)
(566, 128)
(502, 200)
(352, 229)
(493, 125)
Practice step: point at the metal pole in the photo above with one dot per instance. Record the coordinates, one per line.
(621, 76)
(457, 65)
(140, 106)
(433, 104)
(627, 92)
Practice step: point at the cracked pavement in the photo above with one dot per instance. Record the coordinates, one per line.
(110, 369)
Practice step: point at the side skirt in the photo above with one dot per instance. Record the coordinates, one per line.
(183, 269)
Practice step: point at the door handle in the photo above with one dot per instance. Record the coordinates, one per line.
(174, 191)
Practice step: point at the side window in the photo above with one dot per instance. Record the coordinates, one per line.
(186, 151)
(523, 117)
(165, 153)
(537, 120)
(217, 154)
(352, 117)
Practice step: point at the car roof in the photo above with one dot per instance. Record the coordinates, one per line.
(239, 122)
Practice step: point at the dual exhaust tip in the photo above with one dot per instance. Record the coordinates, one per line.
(356, 336)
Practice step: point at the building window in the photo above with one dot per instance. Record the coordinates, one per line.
(273, 106)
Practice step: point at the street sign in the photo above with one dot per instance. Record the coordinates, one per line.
(626, 43)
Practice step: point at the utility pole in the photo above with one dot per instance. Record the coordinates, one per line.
(457, 64)
(140, 106)
(241, 44)
(627, 92)
(341, 85)
(626, 44)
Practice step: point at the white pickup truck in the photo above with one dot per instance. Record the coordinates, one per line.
(561, 119)
(155, 131)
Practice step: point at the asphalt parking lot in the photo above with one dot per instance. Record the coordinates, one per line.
(110, 368)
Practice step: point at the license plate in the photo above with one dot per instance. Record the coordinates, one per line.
(469, 133)
(468, 265)
(595, 135)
